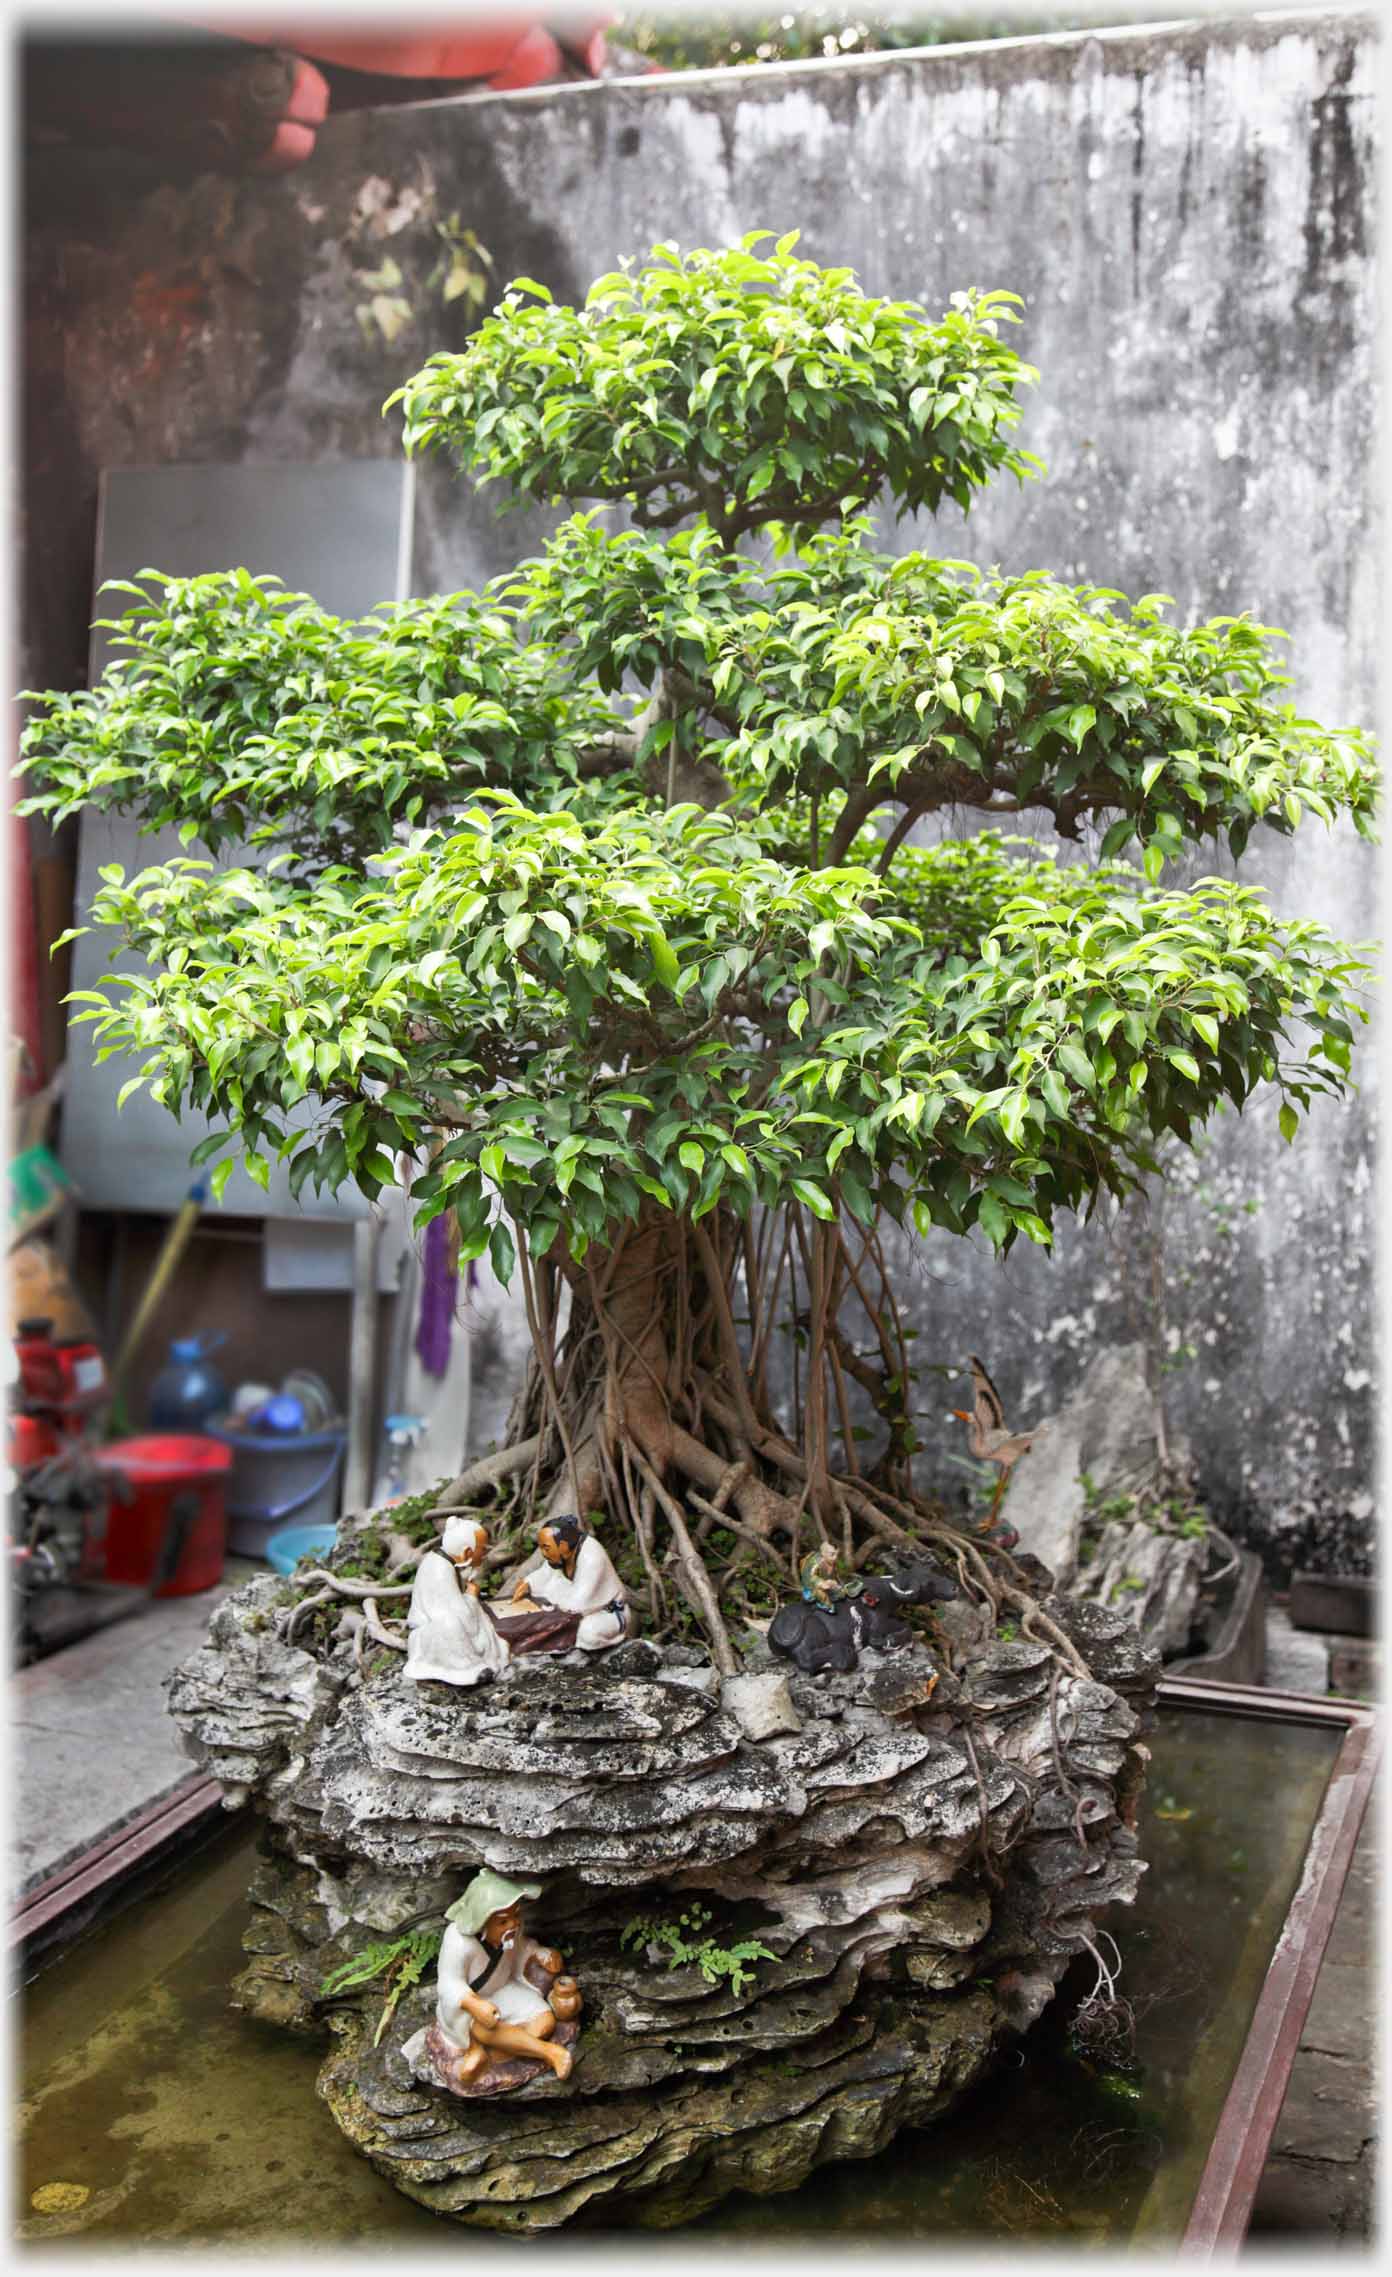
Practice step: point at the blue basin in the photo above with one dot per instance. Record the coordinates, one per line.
(292, 1543)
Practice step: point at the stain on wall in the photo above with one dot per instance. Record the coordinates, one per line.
(1189, 215)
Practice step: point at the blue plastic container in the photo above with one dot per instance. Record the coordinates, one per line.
(275, 1479)
(278, 1418)
(187, 1392)
(286, 1548)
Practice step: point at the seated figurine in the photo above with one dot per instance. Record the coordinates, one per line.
(503, 2005)
(578, 1577)
(820, 1577)
(451, 1639)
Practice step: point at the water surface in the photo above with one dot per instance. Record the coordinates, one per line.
(187, 2123)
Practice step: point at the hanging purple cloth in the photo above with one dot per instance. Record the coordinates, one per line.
(439, 1278)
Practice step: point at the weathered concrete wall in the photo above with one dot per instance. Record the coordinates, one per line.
(1188, 214)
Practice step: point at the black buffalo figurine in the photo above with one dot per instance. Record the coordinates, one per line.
(816, 1638)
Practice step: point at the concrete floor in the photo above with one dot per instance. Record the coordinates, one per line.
(93, 1746)
(1319, 2183)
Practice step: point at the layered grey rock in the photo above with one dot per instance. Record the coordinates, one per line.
(1158, 1575)
(919, 1849)
(1110, 1431)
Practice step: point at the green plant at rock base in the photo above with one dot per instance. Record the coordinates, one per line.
(403, 1960)
(1166, 1506)
(591, 899)
(686, 1944)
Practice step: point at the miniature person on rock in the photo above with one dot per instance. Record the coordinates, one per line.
(820, 1578)
(578, 1577)
(451, 1639)
(500, 1994)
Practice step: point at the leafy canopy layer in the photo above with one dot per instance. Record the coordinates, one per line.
(578, 884)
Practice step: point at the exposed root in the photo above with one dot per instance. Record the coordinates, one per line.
(335, 1587)
(647, 1400)
(695, 1581)
(489, 1471)
(983, 1839)
(1103, 2026)
(377, 1628)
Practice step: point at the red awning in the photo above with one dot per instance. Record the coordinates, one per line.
(503, 51)
(500, 52)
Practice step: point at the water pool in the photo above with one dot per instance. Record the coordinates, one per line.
(172, 2119)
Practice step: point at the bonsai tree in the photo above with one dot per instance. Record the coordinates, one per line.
(592, 903)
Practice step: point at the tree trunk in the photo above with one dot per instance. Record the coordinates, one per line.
(647, 1411)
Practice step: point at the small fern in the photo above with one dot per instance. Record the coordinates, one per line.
(404, 1960)
(684, 1941)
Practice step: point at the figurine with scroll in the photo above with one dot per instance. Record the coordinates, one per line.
(577, 1578)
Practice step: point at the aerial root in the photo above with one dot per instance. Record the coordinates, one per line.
(746, 1487)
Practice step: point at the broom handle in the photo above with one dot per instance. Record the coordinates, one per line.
(174, 1245)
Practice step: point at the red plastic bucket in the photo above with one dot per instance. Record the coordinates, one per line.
(173, 1523)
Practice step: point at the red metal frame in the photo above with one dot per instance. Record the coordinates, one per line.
(1223, 2202)
(192, 1803)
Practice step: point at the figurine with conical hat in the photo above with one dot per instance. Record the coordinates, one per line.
(503, 2006)
(451, 1639)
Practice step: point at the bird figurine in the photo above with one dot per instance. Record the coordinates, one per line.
(989, 1437)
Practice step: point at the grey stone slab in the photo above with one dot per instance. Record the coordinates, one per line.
(339, 530)
(1355, 1668)
(75, 1791)
(1304, 2201)
(1338, 2022)
(92, 1743)
(1329, 2109)
(1295, 1660)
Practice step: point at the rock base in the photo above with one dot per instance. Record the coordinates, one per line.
(656, 2158)
(919, 1846)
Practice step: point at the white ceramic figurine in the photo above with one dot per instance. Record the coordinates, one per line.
(578, 1577)
(504, 2006)
(451, 1638)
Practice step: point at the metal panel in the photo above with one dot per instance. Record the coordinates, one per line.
(341, 532)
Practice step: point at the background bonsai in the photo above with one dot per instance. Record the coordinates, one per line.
(596, 893)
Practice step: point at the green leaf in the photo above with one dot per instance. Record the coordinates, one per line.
(502, 1251)
(993, 1219)
(812, 1198)
(1289, 1121)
